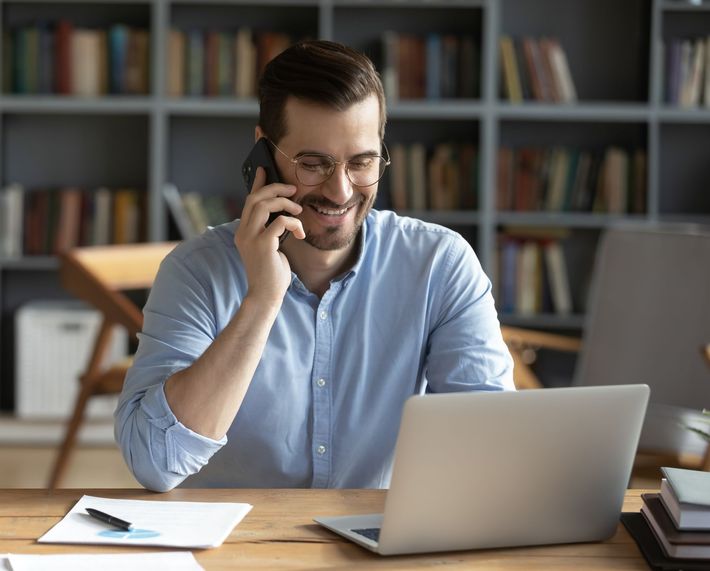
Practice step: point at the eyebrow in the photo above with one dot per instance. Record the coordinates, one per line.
(370, 153)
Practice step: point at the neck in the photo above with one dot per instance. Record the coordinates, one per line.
(316, 268)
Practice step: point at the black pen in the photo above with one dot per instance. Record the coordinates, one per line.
(109, 519)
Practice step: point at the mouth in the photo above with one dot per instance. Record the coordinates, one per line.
(330, 211)
(332, 215)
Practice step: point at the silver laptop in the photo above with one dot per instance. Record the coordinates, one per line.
(503, 469)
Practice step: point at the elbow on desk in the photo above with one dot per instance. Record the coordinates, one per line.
(139, 458)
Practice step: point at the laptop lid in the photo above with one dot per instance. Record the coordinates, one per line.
(485, 470)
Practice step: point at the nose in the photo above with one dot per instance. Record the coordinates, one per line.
(338, 187)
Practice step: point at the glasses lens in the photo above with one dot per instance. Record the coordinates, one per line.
(314, 169)
(366, 171)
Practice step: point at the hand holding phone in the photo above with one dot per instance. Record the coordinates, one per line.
(261, 156)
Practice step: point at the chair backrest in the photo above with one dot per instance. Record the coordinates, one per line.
(648, 316)
(100, 274)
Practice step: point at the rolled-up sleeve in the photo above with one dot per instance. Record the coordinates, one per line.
(178, 327)
(466, 350)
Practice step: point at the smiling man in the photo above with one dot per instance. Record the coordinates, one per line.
(268, 364)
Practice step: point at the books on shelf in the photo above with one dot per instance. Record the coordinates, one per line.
(48, 221)
(61, 58)
(532, 272)
(687, 72)
(193, 212)
(444, 177)
(431, 66)
(219, 63)
(535, 69)
(566, 179)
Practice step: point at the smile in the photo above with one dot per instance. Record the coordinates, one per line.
(330, 211)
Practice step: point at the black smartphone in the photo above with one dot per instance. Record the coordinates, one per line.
(261, 156)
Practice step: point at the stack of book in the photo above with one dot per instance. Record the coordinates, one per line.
(679, 516)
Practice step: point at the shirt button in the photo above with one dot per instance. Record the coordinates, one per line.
(320, 382)
(324, 314)
(321, 450)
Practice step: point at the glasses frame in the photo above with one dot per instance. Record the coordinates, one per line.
(335, 163)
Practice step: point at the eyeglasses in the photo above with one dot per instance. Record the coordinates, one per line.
(313, 169)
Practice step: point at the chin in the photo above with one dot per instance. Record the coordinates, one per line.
(335, 238)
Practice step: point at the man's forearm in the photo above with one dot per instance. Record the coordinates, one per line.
(206, 396)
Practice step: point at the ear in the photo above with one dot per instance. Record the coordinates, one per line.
(258, 133)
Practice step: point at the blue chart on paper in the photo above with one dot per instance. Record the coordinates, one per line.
(133, 534)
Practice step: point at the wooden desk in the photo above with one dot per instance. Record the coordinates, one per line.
(278, 533)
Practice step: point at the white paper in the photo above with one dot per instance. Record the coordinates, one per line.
(173, 560)
(171, 524)
(5, 563)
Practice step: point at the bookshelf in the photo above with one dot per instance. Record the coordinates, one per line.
(615, 55)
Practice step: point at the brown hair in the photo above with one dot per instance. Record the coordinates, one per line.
(320, 71)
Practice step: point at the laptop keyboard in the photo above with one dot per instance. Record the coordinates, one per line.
(372, 533)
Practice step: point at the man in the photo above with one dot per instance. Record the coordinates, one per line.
(287, 365)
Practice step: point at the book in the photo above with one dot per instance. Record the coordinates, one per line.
(176, 63)
(137, 62)
(182, 220)
(416, 177)
(62, 57)
(11, 220)
(663, 529)
(533, 69)
(118, 44)
(69, 219)
(511, 76)
(653, 505)
(85, 56)
(558, 278)
(686, 515)
(102, 229)
(689, 486)
(561, 72)
(245, 64)
(390, 67)
(640, 531)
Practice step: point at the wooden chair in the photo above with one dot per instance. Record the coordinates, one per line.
(524, 344)
(648, 312)
(101, 276)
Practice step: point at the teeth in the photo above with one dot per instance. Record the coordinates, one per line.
(329, 212)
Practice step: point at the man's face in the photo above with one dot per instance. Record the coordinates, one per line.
(333, 211)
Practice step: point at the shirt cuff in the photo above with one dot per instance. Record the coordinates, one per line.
(186, 451)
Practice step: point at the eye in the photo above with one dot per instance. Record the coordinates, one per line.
(361, 163)
(314, 163)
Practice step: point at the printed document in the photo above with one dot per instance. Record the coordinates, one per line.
(173, 560)
(170, 524)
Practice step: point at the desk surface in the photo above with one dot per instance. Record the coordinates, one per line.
(279, 533)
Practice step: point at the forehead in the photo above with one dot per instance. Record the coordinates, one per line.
(314, 126)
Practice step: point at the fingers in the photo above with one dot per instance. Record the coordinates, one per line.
(283, 224)
(260, 192)
(264, 209)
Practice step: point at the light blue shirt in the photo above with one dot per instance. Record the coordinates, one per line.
(324, 405)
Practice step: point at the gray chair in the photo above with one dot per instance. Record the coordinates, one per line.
(648, 321)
